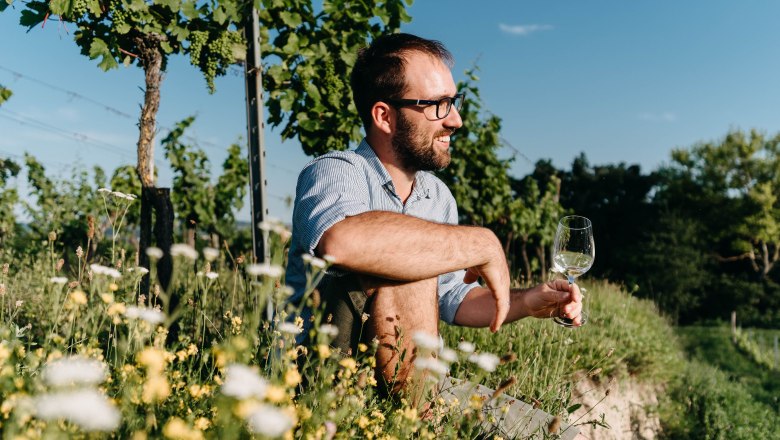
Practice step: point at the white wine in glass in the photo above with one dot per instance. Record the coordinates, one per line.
(573, 253)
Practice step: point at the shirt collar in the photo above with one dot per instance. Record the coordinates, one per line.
(420, 177)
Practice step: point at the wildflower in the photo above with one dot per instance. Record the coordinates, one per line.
(364, 317)
(212, 275)
(265, 225)
(79, 252)
(116, 309)
(348, 364)
(140, 269)
(330, 259)
(74, 370)
(265, 269)
(184, 250)
(60, 263)
(52, 236)
(306, 258)
(119, 195)
(151, 316)
(289, 328)
(324, 351)
(202, 423)
(177, 428)
(153, 359)
(210, 253)
(269, 421)
(292, 377)
(448, 355)
(19, 303)
(87, 408)
(78, 298)
(329, 330)
(58, 280)
(103, 190)
(466, 347)
(426, 341)
(486, 361)
(156, 389)
(243, 382)
(154, 253)
(432, 364)
(107, 298)
(275, 394)
(103, 270)
(319, 263)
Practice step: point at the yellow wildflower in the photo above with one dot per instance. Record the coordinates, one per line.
(202, 423)
(275, 394)
(178, 429)
(349, 364)
(292, 377)
(116, 309)
(362, 347)
(408, 413)
(153, 359)
(363, 422)
(198, 391)
(324, 351)
(107, 298)
(5, 353)
(113, 287)
(77, 298)
(156, 389)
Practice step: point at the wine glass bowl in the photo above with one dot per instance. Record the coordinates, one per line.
(573, 253)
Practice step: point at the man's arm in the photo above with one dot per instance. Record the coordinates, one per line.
(546, 300)
(404, 248)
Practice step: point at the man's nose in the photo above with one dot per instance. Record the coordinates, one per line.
(453, 120)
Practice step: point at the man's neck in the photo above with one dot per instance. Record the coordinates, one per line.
(403, 179)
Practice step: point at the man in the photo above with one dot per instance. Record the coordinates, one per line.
(401, 260)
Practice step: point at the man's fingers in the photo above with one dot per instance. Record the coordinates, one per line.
(502, 310)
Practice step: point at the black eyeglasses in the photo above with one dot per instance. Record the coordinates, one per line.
(443, 105)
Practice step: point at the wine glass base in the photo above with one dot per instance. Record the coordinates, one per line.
(569, 323)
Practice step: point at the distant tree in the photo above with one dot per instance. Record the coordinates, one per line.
(732, 184)
(9, 197)
(200, 203)
(476, 177)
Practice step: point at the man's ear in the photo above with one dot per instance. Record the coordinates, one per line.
(383, 117)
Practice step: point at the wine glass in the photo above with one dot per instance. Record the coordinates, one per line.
(573, 253)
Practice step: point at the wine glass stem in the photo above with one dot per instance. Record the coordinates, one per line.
(571, 279)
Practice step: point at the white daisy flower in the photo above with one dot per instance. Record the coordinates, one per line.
(210, 253)
(154, 252)
(243, 382)
(58, 280)
(289, 328)
(269, 421)
(74, 370)
(152, 316)
(486, 361)
(87, 408)
(184, 250)
(212, 275)
(466, 347)
(329, 330)
(426, 341)
(265, 269)
(432, 364)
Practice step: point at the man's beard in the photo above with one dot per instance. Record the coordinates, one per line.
(414, 150)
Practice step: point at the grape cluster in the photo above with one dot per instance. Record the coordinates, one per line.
(213, 52)
(78, 8)
(119, 16)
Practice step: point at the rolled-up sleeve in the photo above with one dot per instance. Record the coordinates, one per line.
(452, 290)
(329, 190)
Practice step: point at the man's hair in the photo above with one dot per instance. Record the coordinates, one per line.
(379, 70)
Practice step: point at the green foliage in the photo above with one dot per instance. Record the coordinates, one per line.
(9, 197)
(308, 56)
(476, 177)
(721, 394)
(5, 94)
(121, 31)
(61, 206)
(197, 201)
(733, 184)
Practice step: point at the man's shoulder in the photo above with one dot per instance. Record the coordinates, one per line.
(333, 158)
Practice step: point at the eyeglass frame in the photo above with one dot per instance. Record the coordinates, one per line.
(429, 102)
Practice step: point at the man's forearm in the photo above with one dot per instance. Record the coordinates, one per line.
(478, 307)
(404, 248)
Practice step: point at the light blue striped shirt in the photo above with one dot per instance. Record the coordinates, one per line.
(342, 184)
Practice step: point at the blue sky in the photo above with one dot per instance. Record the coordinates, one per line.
(622, 81)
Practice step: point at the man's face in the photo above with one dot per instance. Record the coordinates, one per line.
(421, 141)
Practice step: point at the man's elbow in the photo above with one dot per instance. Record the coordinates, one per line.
(331, 243)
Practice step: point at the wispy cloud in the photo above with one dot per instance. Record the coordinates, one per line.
(523, 29)
(658, 117)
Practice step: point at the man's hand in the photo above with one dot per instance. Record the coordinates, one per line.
(495, 272)
(554, 298)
